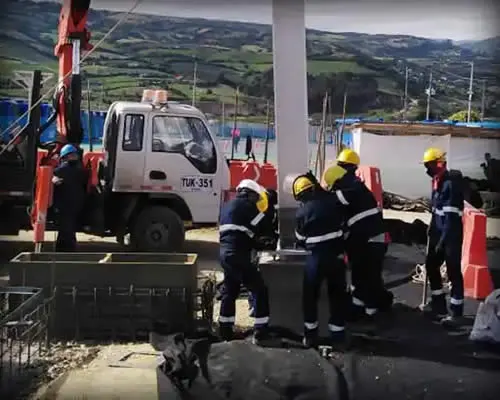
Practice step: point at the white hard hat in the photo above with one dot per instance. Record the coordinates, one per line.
(250, 185)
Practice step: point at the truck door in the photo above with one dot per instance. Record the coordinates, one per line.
(130, 153)
(182, 157)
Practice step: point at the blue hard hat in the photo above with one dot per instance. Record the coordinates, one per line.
(68, 149)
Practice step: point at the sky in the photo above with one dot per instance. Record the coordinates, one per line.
(436, 19)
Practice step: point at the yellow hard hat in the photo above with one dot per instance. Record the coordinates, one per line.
(263, 202)
(333, 174)
(348, 156)
(433, 154)
(300, 185)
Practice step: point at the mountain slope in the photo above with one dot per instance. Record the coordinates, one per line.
(151, 50)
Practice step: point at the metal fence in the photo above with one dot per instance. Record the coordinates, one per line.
(24, 336)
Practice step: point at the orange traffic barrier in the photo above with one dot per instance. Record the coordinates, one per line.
(268, 176)
(43, 200)
(478, 283)
(235, 172)
(371, 177)
(251, 170)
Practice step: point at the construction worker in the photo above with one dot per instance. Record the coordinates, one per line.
(319, 222)
(239, 222)
(445, 238)
(69, 196)
(365, 240)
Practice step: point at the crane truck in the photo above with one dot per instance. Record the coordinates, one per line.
(160, 171)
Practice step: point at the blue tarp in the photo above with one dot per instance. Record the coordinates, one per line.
(10, 110)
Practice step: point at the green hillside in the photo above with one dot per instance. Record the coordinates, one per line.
(157, 51)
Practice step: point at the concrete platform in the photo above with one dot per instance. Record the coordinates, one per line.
(119, 372)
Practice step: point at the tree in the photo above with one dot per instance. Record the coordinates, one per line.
(461, 116)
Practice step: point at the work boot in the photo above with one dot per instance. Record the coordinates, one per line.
(339, 341)
(226, 333)
(385, 301)
(436, 308)
(310, 339)
(456, 316)
(261, 336)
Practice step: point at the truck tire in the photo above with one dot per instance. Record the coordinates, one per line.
(157, 229)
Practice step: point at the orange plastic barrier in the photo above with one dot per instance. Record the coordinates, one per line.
(477, 278)
(235, 172)
(371, 177)
(251, 170)
(43, 199)
(268, 176)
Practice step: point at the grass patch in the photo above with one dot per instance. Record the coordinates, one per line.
(315, 67)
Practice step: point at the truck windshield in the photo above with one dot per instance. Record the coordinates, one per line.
(187, 136)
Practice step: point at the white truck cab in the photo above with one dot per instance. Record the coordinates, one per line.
(162, 169)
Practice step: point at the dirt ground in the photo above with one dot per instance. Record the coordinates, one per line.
(414, 359)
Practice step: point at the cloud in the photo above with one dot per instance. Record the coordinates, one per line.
(453, 19)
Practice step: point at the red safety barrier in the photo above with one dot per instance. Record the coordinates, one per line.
(371, 177)
(251, 170)
(268, 176)
(478, 283)
(235, 172)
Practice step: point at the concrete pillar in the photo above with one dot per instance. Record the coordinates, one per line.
(290, 103)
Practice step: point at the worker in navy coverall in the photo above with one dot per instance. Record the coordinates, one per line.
(267, 235)
(239, 222)
(365, 237)
(319, 222)
(445, 238)
(69, 196)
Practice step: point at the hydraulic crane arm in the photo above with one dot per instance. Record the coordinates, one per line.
(73, 37)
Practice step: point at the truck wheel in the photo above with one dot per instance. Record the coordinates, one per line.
(157, 229)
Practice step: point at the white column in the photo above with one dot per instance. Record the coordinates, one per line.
(290, 92)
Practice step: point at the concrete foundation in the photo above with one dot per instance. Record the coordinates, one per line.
(112, 295)
(283, 277)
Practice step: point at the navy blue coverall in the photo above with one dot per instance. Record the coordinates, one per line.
(445, 244)
(69, 199)
(238, 226)
(268, 231)
(365, 243)
(319, 222)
